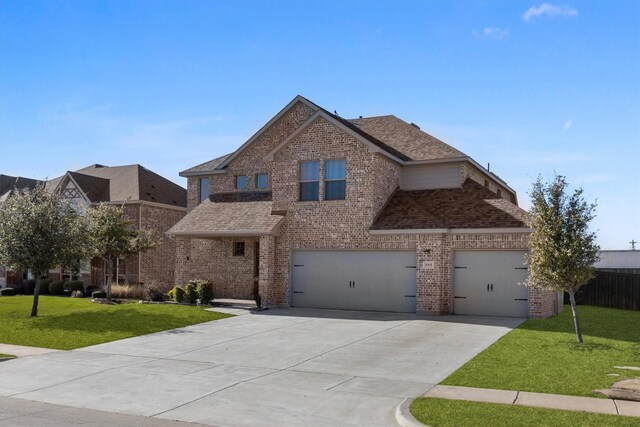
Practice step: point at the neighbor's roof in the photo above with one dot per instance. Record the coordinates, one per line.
(471, 206)
(8, 184)
(131, 182)
(225, 219)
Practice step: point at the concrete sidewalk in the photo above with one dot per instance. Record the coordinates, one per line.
(22, 350)
(539, 400)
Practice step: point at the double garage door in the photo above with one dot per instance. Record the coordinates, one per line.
(484, 282)
(490, 283)
(354, 280)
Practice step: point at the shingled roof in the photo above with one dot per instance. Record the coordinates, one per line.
(206, 166)
(406, 138)
(9, 184)
(211, 219)
(472, 206)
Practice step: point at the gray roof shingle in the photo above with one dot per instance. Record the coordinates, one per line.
(211, 219)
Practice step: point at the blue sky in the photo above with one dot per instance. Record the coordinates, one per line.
(529, 86)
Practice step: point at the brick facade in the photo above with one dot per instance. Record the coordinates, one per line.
(336, 224)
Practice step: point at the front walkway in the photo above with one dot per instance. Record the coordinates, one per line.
(539, 400)
(287, 367)
(22, 350)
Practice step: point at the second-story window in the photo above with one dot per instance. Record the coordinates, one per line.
(261, 181)
(241, 182)
(204, 189)
(309, 181)
(335, 179)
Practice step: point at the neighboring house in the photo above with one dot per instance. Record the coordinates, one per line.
(619, 261)
(150, 202)
(8, 186)
(363, 214)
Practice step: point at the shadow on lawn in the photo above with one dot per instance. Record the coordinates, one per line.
(609, 323)
(122, 320)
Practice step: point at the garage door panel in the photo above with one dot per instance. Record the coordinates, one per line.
(354, 280)
(490, 283)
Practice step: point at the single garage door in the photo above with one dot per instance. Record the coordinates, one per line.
(490, 283)
(354, 280)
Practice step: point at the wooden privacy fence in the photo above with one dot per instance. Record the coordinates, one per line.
(607, 289)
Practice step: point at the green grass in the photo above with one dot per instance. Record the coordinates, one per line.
(542, 355)
(459, 413)
(68, 323)
(6, 356)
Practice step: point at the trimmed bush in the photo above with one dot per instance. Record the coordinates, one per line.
(56, 288)
(191, 293)
(177, 294)
(154, 291)
(7, 292)
(29, 286)
(205, 291)
(74, 285)
(44, 286)
(99, 294)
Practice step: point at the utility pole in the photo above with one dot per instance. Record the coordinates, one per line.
(633, 244)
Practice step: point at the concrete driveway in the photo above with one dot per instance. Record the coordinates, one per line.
(274, 368)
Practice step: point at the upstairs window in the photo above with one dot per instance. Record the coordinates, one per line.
(241, 182)
(261, 181)
(309, 181)
(335, 176)
(204, 189)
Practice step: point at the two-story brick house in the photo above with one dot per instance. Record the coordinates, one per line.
(365, 214)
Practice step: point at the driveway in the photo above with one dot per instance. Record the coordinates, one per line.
(273, 368)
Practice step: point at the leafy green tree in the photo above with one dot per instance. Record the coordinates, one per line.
(39, 231)
(563, 250)
(114, 236)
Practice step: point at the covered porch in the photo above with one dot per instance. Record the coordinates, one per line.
(230, 243)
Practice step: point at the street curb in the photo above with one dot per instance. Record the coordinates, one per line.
(404, 417)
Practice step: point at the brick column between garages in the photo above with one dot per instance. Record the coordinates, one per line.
(430, 274)
(267, 270)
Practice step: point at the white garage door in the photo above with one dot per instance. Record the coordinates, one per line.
(490, 283)
(354, 280)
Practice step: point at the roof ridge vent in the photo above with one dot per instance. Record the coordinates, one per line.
(415, 125)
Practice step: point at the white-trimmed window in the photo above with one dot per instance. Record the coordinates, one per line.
(335, 179)
(204, 189)
(310, 180)
(262, 181)
(241, 182)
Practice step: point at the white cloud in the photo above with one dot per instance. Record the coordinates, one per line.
(495, 33)
(568, 124)
(549, 10)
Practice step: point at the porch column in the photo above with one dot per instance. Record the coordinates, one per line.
(267, 269)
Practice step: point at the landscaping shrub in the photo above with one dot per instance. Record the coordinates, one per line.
(7, 292)
(191, 293)
(29, 286)
(74, 285)
(18, 289)
(99, 294)
(205, 291)
(56, 288)
(44, 286)
(154, 291)
(177, 294)
(127, 291)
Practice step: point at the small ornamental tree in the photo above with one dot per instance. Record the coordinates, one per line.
(563, 250)
(114, 236)
(39, 231)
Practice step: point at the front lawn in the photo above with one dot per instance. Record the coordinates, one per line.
(68, 323)
(460, 413)
(542, 354)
